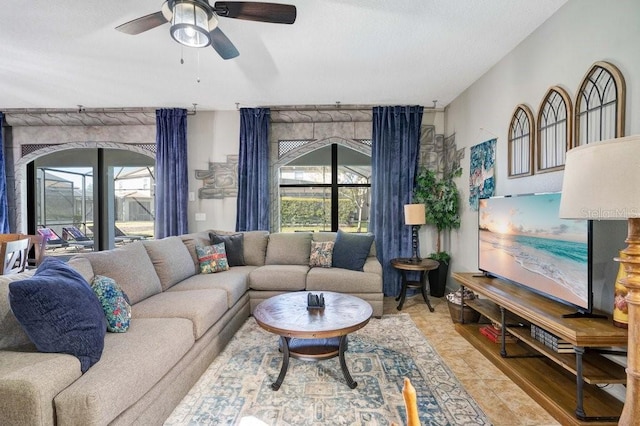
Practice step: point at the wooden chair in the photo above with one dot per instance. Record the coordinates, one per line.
(37, 246)
(14, 256)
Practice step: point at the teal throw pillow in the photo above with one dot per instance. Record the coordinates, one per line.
(115, 303)
(212, 258)
(59, 312)
(350, 251)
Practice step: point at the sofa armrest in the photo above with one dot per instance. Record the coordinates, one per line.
(28, 383)
(372, 265)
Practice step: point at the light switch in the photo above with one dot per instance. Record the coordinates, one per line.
(192, 196)
(201, 217)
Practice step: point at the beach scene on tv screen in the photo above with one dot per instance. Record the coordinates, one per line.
(523, 239)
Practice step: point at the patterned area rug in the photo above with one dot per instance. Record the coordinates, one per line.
(237, 385)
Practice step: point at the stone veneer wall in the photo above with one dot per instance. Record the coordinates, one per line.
(30, 135)
(300, 130)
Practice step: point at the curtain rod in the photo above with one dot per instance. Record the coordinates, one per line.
(336, 106)
(81, 110)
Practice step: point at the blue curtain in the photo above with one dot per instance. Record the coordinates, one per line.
(172, 184)
(252, 211)
(394, 160)
(4, 205)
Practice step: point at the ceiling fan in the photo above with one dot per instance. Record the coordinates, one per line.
(194, 23)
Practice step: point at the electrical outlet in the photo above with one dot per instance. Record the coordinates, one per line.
(201, 217)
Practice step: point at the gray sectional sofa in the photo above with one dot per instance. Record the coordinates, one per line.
(181, 320)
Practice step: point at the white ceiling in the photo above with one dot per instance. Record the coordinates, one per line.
(64, 53)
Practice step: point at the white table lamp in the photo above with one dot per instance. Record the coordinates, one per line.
(414, 215)
(602, 182)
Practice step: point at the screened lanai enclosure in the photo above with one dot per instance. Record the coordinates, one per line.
(111, 202)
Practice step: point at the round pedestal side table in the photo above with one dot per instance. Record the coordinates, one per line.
(404, 264)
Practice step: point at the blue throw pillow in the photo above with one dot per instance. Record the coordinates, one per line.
(351, 250)
(59, 312)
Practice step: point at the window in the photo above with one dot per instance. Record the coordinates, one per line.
(97, 190)
(326, 189)
(521, 142)
(553, 130)
(600, 105)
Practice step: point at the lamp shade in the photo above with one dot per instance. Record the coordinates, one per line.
(189, 24)
(414, 214)
(602, 180)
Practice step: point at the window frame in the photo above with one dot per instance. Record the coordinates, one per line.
(555, 92)
(515, 118)
(581, 109)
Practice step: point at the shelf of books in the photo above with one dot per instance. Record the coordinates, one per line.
(546, 366)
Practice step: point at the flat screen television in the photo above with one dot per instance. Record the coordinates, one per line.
(523, 240)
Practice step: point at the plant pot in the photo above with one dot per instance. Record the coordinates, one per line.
(438, 280)
(468, 314)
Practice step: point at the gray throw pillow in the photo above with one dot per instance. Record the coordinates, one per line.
(233, 245)
(350, 251)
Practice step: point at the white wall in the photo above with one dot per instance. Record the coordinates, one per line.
(560, 52)
(211, 137)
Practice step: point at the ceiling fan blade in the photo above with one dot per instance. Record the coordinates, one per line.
(142, 24)
(253, 11)
(222, 44)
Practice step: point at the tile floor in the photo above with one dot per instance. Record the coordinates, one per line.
(502, 400)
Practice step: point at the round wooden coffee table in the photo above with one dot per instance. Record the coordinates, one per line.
(313, 334)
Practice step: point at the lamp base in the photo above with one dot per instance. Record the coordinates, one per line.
(631, 261)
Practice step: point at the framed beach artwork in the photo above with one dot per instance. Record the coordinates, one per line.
(481, 179)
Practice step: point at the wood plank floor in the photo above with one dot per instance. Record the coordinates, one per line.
(501, 399)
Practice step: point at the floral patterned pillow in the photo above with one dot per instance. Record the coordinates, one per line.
(321, 253)
(115, 303)
(212, 258)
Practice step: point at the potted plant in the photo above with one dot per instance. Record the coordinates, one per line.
(441, 199)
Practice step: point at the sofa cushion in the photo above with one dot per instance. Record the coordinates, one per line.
(83, 266)
(202, 307)
(343, 281)
(59, 311)
(279, 277)
(321, 254)
(28, 383)
(351, 250)
(234, 282)
(233, 246)
(12, 334)
(132, 363)
(191, 241)
(212, 258)
(255, 245)
(114, 301)
(131, 267)
(171, 259)
(288, 248)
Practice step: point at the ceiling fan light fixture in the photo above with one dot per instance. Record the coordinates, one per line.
(190, 24)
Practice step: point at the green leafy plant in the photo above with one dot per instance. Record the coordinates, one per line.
(442, 200)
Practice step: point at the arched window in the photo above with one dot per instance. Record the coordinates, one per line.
(521, 140)
(600, 104)
(326, 188)
(554, 130)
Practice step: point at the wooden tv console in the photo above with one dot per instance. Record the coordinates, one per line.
(567, 385)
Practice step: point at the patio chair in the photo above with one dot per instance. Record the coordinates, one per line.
(14, 256)
(75, 237)
(52, 240)
(119, 233)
